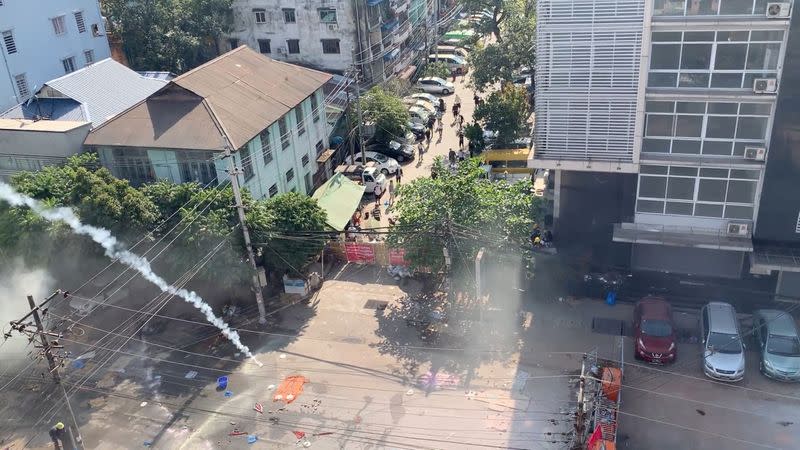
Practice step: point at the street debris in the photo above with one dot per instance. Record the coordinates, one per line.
(228, 394)
(283, 356)
(252, 439)
(270, 387)
(259, 408)
(299, 434)
(237, 432)
(323, 433)
(143, 404)
(222, 383)
(147, 443)
(410, 392)
(290, 388)
(190, 375)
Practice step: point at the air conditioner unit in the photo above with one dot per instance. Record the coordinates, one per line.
(765, 85)
(755, 153)
(738, 229)
(281, 50)
(333, 26)
(778, 10)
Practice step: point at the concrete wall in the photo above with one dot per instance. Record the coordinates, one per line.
(308, 29)
(39, 49)
(32, 150)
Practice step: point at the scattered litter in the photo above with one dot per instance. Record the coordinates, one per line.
(222, 383)
(78, 364)
(283, 356)
(237, 432)
(190, 375)
(410, 392)
(147, 443)
(324, 433)
(306, 444)
(290, 388)
(232, 423)
(228, 394)
(143, 404)
(87, 355)
(252, 439)
(470, 395)
(259, 408)
(299, 434)
(270, 387)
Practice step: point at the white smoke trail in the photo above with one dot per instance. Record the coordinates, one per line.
(114, 249)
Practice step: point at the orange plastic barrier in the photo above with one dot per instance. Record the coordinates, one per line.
(612, 381)
(290, 388)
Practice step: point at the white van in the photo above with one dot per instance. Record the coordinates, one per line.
(451, 50)
(455, 63)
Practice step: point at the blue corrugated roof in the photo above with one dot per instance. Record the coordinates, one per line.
(47, 108)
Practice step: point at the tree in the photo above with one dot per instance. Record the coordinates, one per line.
(497, 15)
(462, 211)
(505, 112)
(173, 35)
(474, 133)
(387, 112)
(436, 69)
(278, 225)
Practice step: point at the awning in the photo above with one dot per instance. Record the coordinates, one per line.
(640, 233)
(407, 73)
(765, 259)
(339, 197)
(325, 156)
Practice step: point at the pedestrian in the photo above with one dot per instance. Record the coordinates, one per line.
(462, 155)
(471, 147)
(460, 138)
(58, 435)
(377, 191)
(476, 99)
(420, 150)
(428, 135)
(454, 75)
(391, 192)
(451, 156)
(399, 174)
(431, 121)
(440, 129)
(439, 117)
(460, 121)
(442, 106)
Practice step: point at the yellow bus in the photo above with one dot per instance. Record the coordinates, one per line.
(507, 164)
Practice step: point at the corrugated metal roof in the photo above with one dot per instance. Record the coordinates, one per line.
(105, 88)
(242, 92)
(47, 108)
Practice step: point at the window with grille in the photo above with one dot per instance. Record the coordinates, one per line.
(69, 64)
(289, 175)
(80, 22)
(264, 46)
(320, 147)
(273, 190)
(59, 25)
(260, 15)
(294, 46)
(330, 46)
(327, 15)
(314, 107)
(301, 124)
(88, 55)
(288, 15)
(305, 160)
(284, 130)
(8, 41)
(247, 163)
(266, 147)
(22, 86)
(197, 166)
(797, 224)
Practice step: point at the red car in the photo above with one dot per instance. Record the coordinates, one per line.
(654, 331)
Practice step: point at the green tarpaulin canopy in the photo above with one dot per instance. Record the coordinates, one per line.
(339, 197)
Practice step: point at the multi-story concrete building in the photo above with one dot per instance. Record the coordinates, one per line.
(383, 37)
(268, 114)
(660, 113)
(42, 40)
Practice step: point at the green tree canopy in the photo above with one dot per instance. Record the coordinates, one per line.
(173, 35)
(386, 111)
(436, 69)
(505, 112)
(463, 211)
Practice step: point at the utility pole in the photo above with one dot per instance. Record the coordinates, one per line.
(350, 137)
(47, 348)
(237, 195)
(580, 414)
(436, 28)
(360, 116)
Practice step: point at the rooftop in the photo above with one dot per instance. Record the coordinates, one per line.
(51, 126)
(235, 95)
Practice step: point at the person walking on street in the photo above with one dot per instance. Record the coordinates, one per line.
(377, 192)
(428, 135)
(442, 106)
(431, 121)
(440, 129)
(460, 121)
(476, 98)
(58, 434)
(420, 150)
(391, 192)
(399, 174)
(454, 75)
(451, 156)
(462, 155)
(460, 138)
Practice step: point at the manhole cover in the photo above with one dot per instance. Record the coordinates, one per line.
(613, 327)
(376, 304)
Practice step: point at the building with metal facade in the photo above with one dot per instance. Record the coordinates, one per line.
(692, 118)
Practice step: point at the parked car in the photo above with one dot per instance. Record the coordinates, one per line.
(654, 331)
(451, 50)
(400, 152)
(436, 85)
(723, 350)
(431, 109)
(416, 129)
(454, 63)
(383, 163)
(432, 99)
(779, 344)
(418, 114)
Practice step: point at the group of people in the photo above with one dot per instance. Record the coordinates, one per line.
(541, 239)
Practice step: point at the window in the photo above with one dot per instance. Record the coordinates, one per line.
(301, 124)
(133, 165)
(88, 55)
(247, 162)
(264, 46)
(314, 107)
(273, 190)
(80, 22)
(288, 15)
(730, 56)
(22, 86)
(289, 175)
(284, 132)
(689, 126)
(197, 166)
(720, 127)
(305, 160)
(233, 43)
(69, 64)
(665, 56)
(696, 56)
(58, 25)
(320, 147)
(702, 7)
(652, 187)
(294, 46)
(668, 7)
(260, 15)
(266, 147)
(736, 7)
(8, 41)
(327, 15)
(659, 125)
(330, 46)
